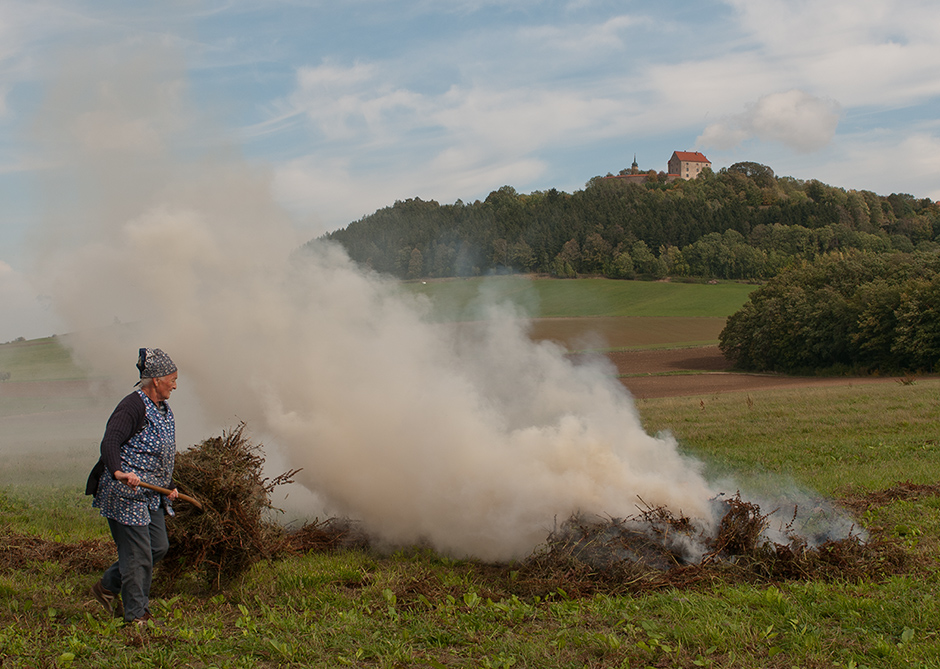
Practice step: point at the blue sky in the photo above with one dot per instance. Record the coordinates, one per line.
(348, 106)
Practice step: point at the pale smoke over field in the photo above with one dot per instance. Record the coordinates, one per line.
(476, 444)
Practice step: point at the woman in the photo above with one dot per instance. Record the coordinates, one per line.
(139, 444)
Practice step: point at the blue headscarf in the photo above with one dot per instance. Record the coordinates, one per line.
(154, 363)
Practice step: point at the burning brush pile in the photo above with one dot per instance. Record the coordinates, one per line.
(656, 549)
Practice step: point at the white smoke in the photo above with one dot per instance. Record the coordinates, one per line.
(794, 118)
(476, 443)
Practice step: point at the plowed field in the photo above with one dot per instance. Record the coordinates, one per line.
(704, 371)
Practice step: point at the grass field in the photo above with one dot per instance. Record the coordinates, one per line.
(583, 298)
(37, 360)
(830, 439)
(599, 314)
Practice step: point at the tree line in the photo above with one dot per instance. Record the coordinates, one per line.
(845, 312)
(742, 222)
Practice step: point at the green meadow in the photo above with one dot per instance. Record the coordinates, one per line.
(583, 298)
(416, 608)
(37, 360)
(598, 314)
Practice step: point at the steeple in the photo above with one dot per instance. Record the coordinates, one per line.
(634, 169)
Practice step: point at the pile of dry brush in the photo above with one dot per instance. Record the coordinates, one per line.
(236, 526)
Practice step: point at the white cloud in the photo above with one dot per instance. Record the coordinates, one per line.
(336, 195)
(345, 102)
(805, 26)
(722, 136)
(526, 119)
(364, 103)
(584, 38)
(887, 161)
(695, 88)
(458, 143)
(794, 118)
(862, 52)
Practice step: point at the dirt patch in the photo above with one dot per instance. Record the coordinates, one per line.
(659, 361)
(23, 551)
(860, 502)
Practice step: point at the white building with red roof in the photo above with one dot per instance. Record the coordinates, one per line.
(687, 164)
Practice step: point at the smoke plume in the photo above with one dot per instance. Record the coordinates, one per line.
(475, 442)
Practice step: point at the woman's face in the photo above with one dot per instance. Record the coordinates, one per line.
(164, 385)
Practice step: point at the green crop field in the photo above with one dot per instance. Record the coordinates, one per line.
(580, 298)
(600, 314)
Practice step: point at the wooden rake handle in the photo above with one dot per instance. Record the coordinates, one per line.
(166, 491)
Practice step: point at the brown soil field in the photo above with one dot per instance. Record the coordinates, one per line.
(704, 371)
(693, 366)
(611, 332)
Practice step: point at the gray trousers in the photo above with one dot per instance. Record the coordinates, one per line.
(139, 548)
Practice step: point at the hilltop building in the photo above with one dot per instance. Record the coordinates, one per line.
(687, 164)
(633, 175)
(682, 165)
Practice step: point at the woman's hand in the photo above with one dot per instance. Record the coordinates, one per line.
(173, 495)
(130, 478)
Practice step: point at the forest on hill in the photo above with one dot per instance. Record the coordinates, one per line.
(845, 312)
(742, 222)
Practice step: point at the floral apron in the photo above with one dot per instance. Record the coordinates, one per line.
(151, 454)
